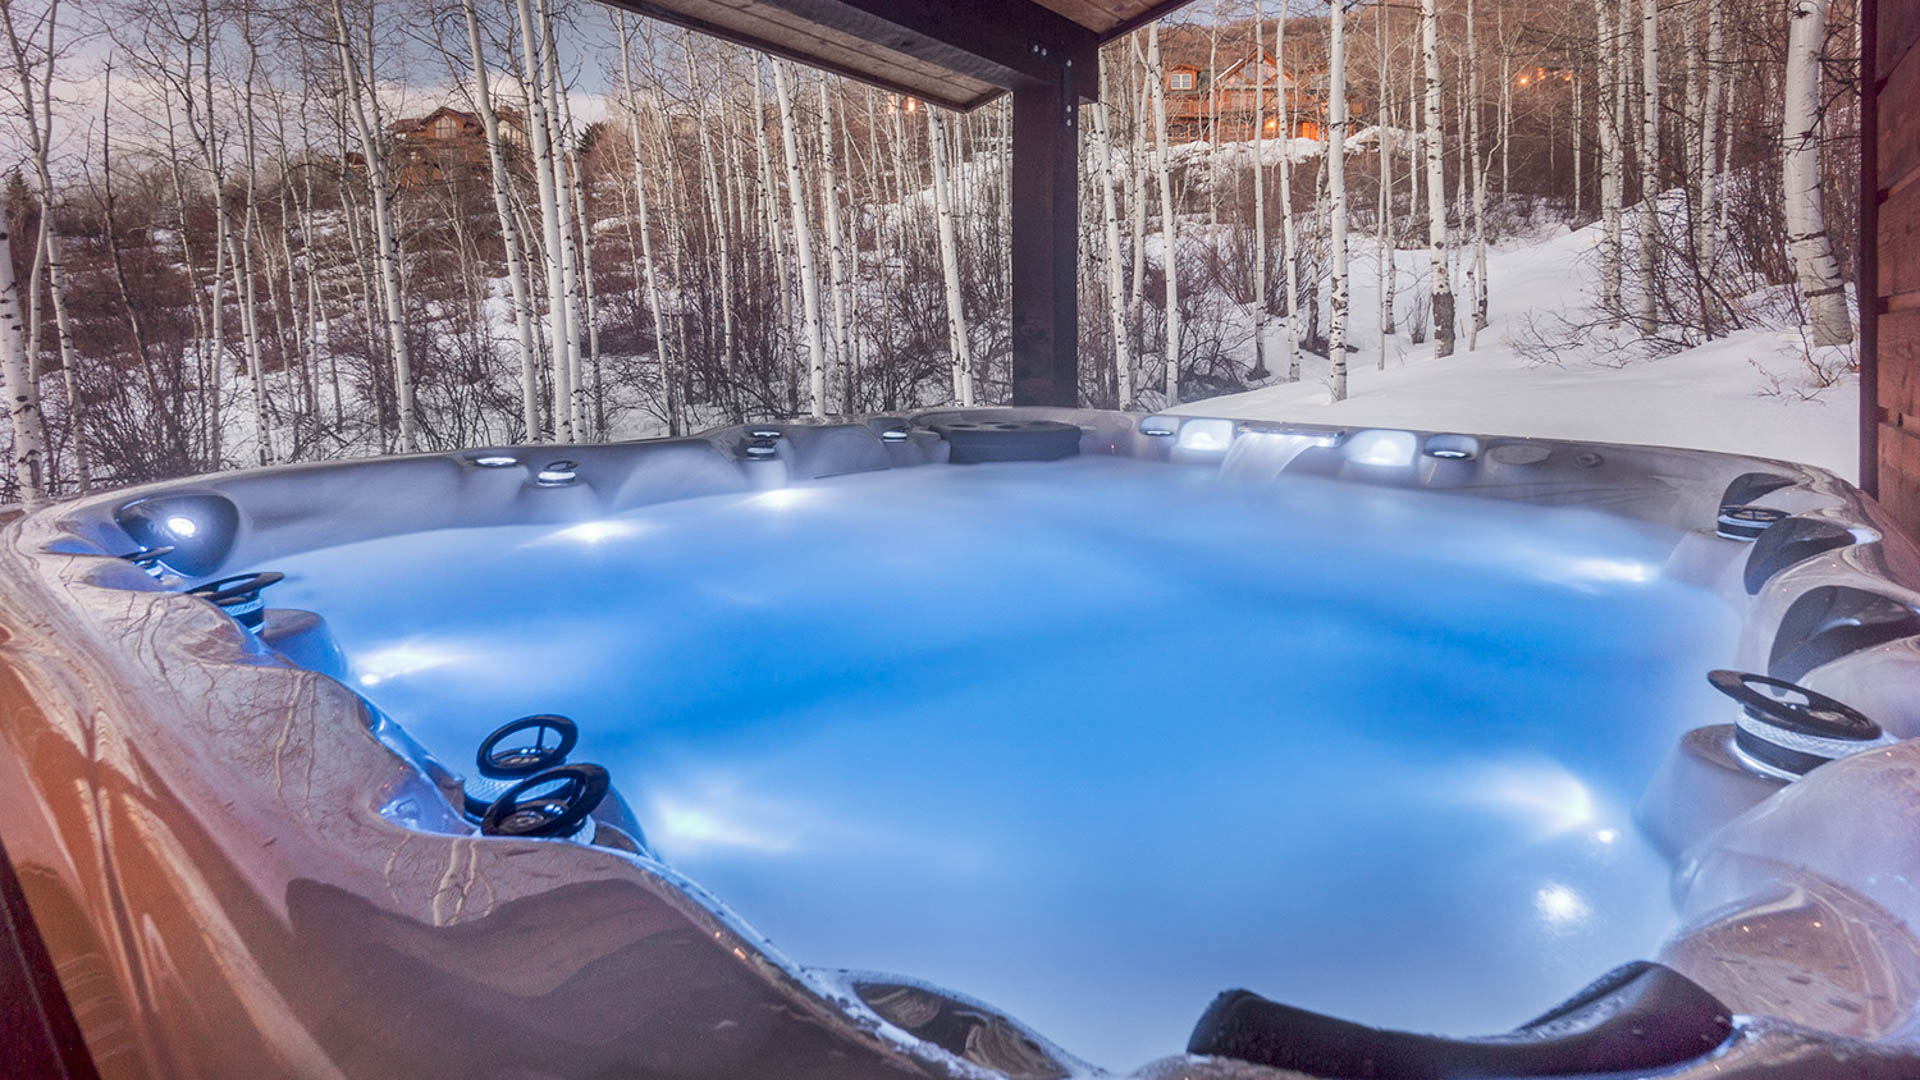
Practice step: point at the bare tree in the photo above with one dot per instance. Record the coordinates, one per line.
(36, 108)
(23, 396)
(1437, 244)
(1815, 268)
(1169, 224)
(802, 246)
(1337, 196)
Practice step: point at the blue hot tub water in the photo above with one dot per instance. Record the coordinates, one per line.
(1094, 740)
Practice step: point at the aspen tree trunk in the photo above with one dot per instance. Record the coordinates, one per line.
(1387, 277)
(1649, 160)
(1213, 117)
(850, 375)
(1505, 127)
(1169, 226)
(1436, 183)
(764, 196)
(651, 281)
(1416, 146)
(23, 396)
(1815, 268)
(560, 146)
(1578, 155)
(1710, 104)
(589, 299)
(836, 253)
(38, 113)
(957, 340)
(1337, 196)
(1289, 246)
(1478, 157)
(579, 243)
(385, 246)
(532, 57)
(716, 213)
(509, 232)
(1259, 311)
(1116, 294)
(802, 247)
(1690, 112)
(242, 260)
(674, 221)
(206, 139)
(1137, 184)
(1607, 126)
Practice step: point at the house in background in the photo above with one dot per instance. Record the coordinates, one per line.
(1212, 83)
(449, 144)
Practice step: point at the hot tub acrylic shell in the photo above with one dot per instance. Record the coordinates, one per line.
(239, 869)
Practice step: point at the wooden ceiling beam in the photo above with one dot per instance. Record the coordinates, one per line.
(958, 55)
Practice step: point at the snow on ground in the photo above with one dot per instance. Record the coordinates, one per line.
(1749, 393)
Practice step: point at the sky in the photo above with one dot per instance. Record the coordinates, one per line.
(415, 81)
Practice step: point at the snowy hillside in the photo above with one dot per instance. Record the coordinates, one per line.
(1753, 392)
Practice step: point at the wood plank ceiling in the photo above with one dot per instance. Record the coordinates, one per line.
(956, 53)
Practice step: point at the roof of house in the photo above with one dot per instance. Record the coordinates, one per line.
(411, 124)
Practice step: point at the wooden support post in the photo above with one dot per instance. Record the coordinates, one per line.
(1046, 237)
(1867, 249)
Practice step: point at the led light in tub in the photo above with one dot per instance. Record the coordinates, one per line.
(557, 474)
(1205, 435)
(1382, 448)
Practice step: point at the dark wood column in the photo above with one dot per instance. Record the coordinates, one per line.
(1045, 242)
(1890, 251)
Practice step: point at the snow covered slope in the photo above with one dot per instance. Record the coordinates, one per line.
(1753, 392)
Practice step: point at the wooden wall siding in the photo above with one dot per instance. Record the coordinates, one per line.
(1890, 331)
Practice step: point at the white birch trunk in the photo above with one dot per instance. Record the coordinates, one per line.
(802, 247)
(1387, 277)
(1259, 306)
(1815, 268)
(836, 253)
(532, 56)
(29, 459)
(1116, 285)
(1337, 197)
(710, 168)
(1169, 225)
(386, 254)
(957, 341)
(559, 144)
(1437, 243)
(1649, 161)
(651, 280)
(509, 230)
(1289, 245)
(1478, 156)
(1710, 104)
(36, 108)
(1608, 119)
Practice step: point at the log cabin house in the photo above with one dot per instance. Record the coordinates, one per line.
(448, 143)
(1211, 86)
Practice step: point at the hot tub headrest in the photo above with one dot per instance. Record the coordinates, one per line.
(1637, 1016)
(1831, 621)
(1750, 486)
(1789, 541)
(199, 527)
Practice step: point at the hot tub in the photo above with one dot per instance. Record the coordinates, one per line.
(992, 742)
